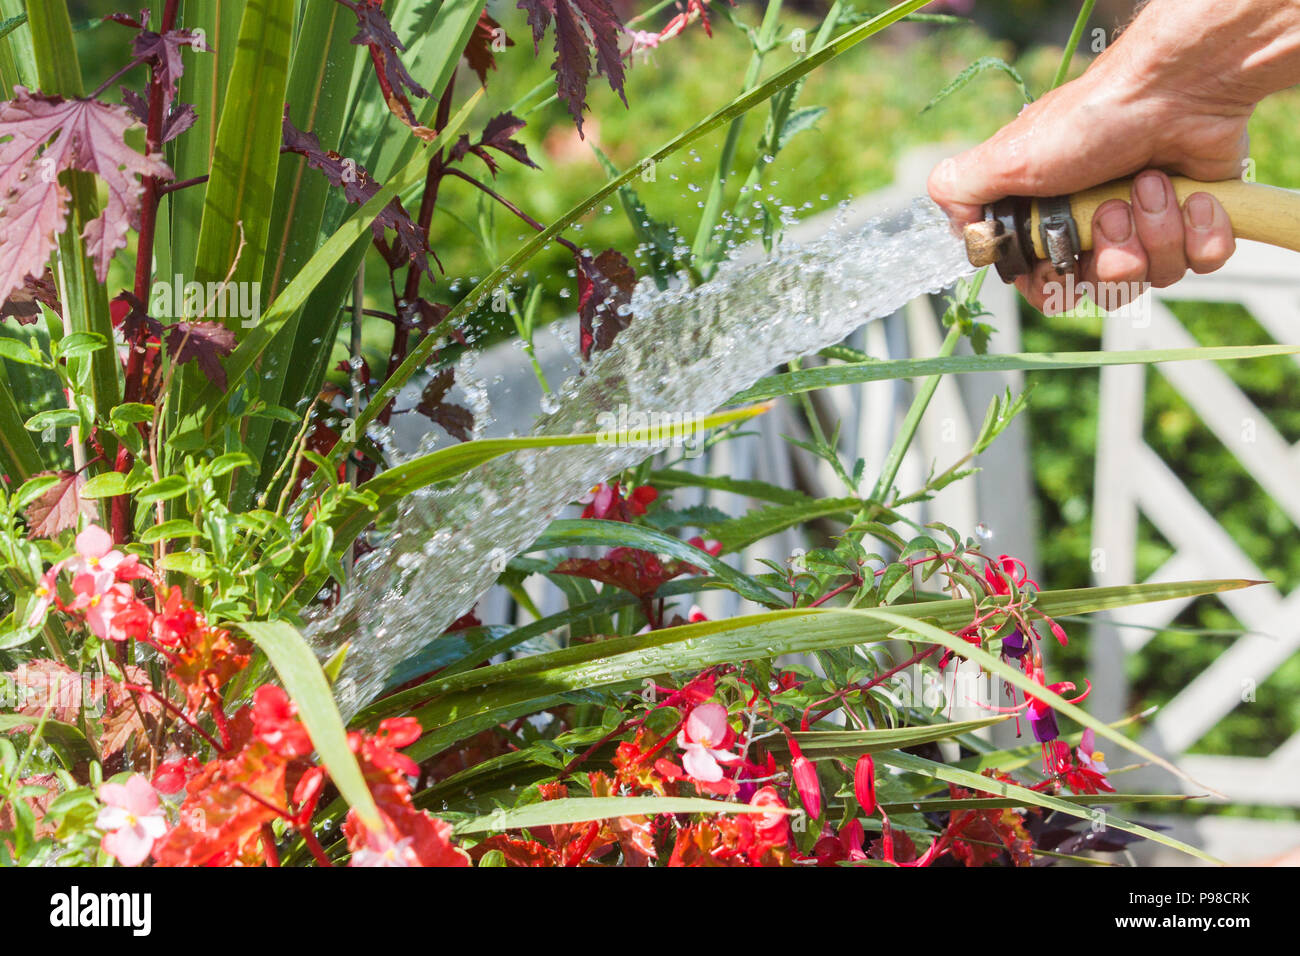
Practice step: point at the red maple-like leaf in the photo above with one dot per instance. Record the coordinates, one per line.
(179, 118)
(84, 135)
(579, 24)
(499, 135)
(605, 286)
(162, 51)
(458, 421)
(635, 571)
(480, 50)
(358, 187)
(57, 508)
(203, 342)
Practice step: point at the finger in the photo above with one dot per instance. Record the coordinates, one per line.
(1159, 224)
(1208, 239)
(1117, 254)
(1047, 290)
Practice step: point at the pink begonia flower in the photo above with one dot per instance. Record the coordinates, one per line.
(704, 739)
(133, 818)
(104, 605)
(95, 551)
(382, 850)
(1089, 755)
(45, 591)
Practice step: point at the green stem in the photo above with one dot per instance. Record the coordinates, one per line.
(904, 439)
(713, 204)
(1080, 24)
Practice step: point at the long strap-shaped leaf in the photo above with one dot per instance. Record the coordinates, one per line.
(303, 678)
(211, 401)
(583, 809)
(741, 104)
(824, 376)
(1030, 798)
(512, 686)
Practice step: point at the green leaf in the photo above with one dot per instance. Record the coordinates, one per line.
(173, 486)
(211, 401)
(848, 744)
(132, 413)
(303, 678)
(739, 533)
(176, 528)
(81, 343)
(974, 70)
(824, 376)
(15, 350)
(975, 781)
(109, 484)
(483, 695)
(583, 809)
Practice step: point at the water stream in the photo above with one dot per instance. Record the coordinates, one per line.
(685, 353)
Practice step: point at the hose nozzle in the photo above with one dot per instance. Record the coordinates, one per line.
(1019, 232)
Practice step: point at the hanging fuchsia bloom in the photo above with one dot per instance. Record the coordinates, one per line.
(864, 783)
(805, 780)
(1015, 645)
(1012, 568)
(707, 738)
(133, 819)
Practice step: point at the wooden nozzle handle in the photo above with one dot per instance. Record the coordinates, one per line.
(1258, 212)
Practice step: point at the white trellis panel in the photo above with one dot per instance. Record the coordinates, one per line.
(1132, 480)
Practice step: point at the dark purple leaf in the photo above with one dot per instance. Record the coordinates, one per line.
(458, 421)
(358, 187)
(376, 32)
(605, 286)
(579, 24)
(479, 51)
(23, 304)
(203, 342)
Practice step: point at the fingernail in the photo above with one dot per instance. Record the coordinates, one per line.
(1151, 193)
(1116, 224)
(1200, 212)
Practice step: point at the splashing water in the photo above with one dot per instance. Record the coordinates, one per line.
(687, 351)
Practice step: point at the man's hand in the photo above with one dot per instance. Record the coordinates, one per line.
(1174, 93)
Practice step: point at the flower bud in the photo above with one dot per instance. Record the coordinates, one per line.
(864, 784)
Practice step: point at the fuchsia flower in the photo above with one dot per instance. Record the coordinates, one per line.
(864, 783)
(806, 781)
(133, 819)
(706, 739)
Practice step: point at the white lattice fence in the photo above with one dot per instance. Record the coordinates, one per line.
(1133, 480)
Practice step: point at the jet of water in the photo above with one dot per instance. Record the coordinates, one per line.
(687, 351)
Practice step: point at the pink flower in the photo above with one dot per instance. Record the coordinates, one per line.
(95, 551)
(382, 850)
(1088, 754)
(45, 592)
(112, 611)
(705, 739)
(133, 819)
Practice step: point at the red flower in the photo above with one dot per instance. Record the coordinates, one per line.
(864, 783)
(806, 781)
(276, 723)
(606, 501)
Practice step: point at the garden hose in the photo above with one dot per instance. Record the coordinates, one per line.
(1020, 231)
